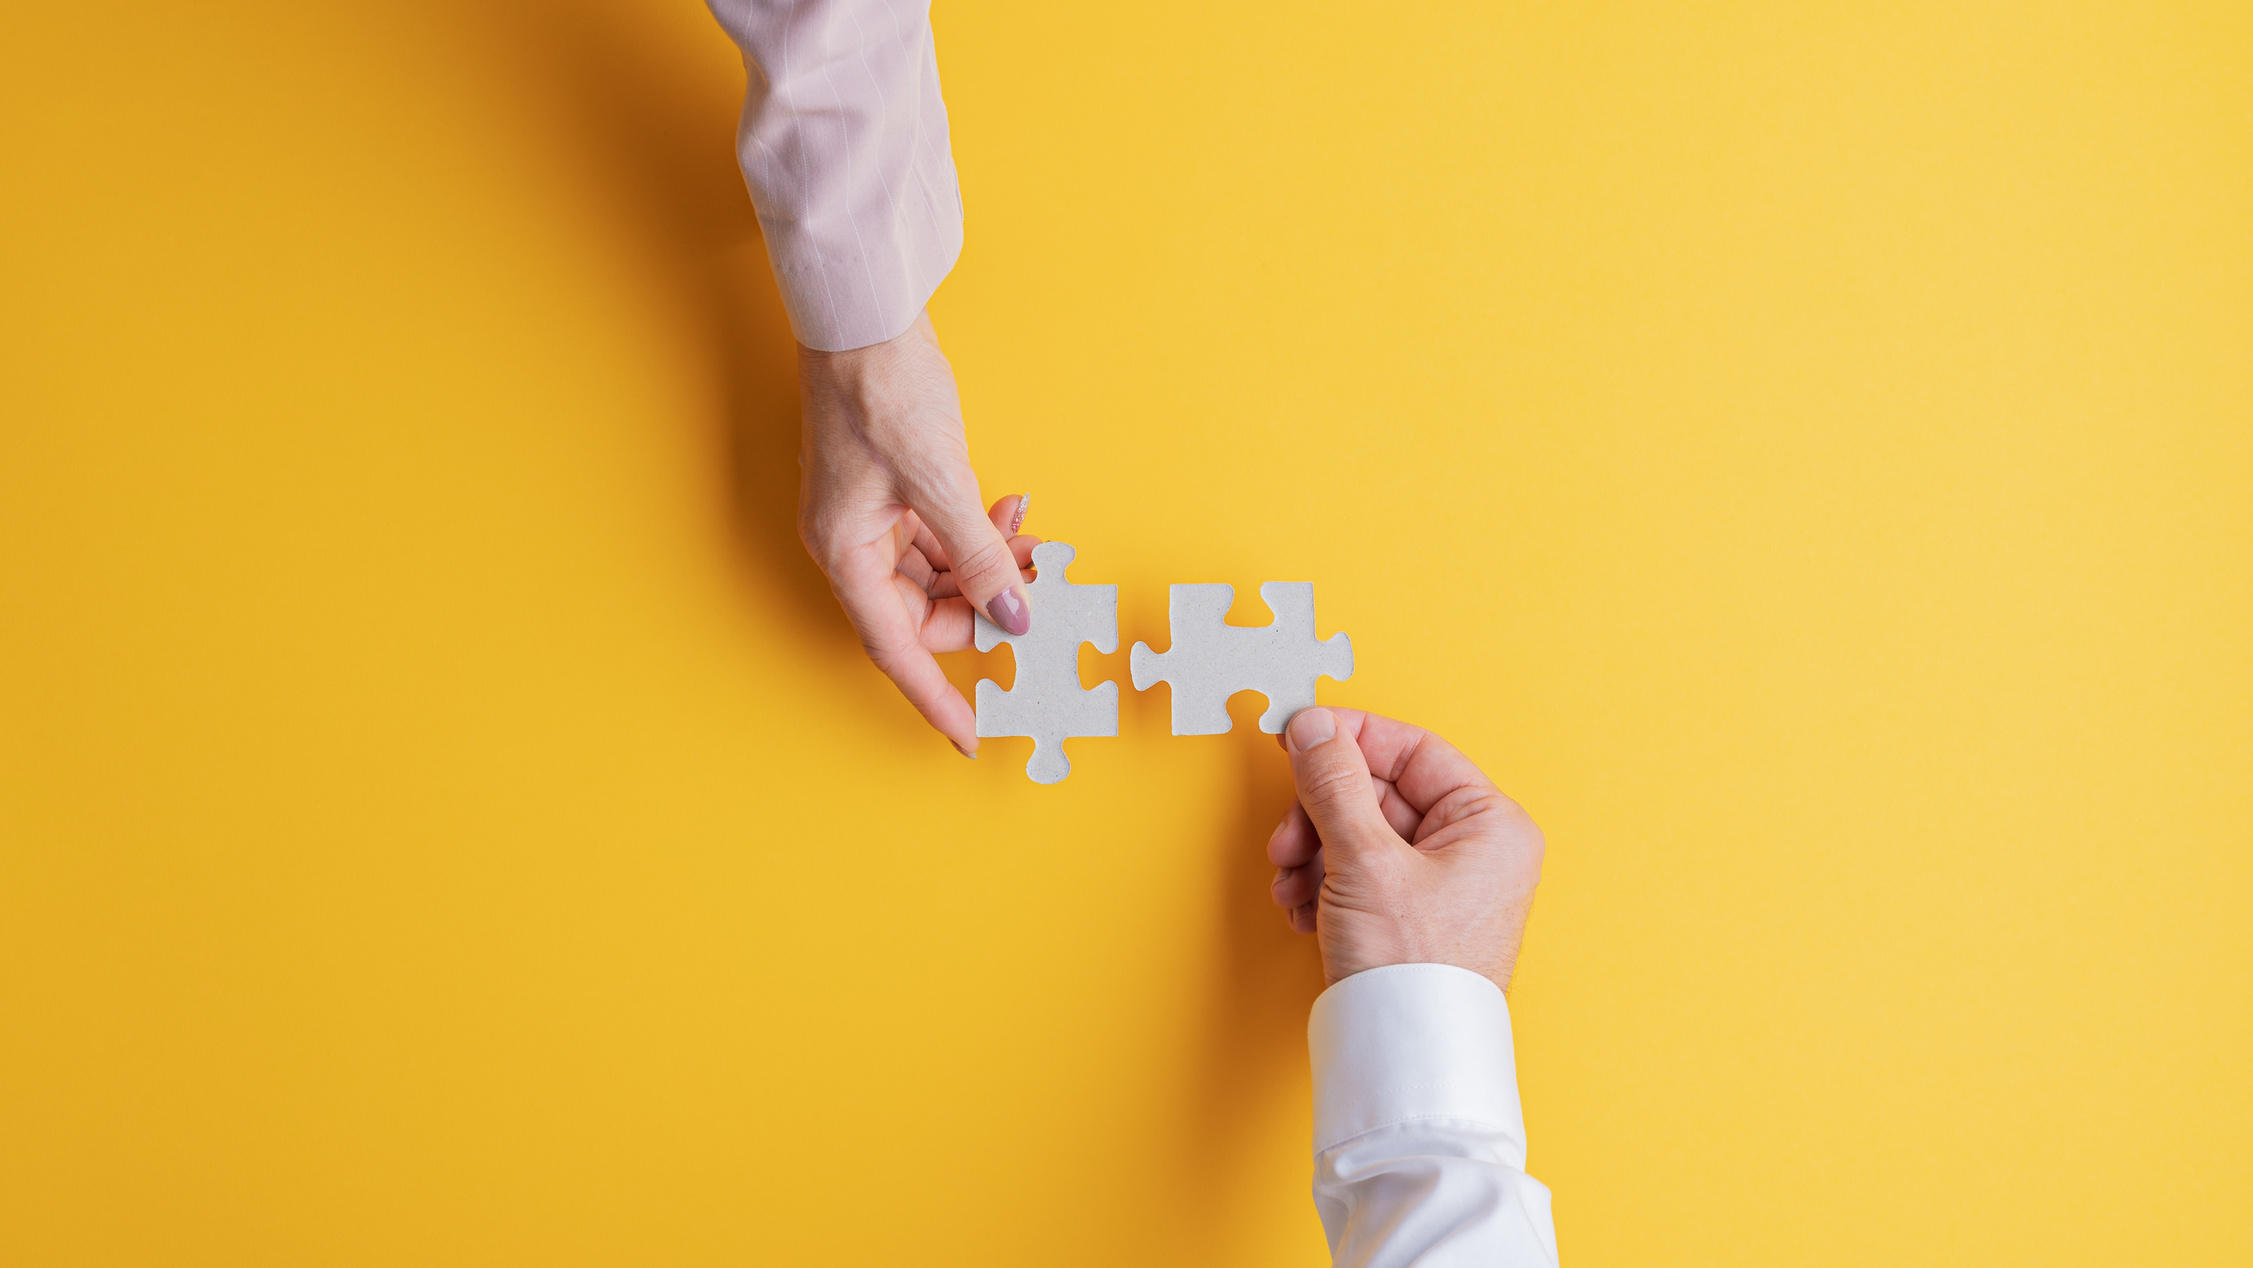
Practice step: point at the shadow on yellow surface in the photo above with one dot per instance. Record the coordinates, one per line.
(642, 123)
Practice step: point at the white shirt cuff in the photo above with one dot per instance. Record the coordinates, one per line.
(1413, 1041)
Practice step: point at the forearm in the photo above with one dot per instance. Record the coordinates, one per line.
(843, 144)
(1419, 1139)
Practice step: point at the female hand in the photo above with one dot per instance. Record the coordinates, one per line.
(890, 509)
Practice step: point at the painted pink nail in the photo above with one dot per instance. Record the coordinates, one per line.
(1017, 519)
(1009, 612)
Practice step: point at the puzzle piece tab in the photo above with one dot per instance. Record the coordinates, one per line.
(1047, 701)
(1210, 660)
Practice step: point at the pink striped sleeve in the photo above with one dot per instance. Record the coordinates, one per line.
(843, 144)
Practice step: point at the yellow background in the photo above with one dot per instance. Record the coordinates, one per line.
(1804, 451)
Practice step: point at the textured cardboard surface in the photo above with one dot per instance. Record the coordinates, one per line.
(1046, 701)
(1210, 660)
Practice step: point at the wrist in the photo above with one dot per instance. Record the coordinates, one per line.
(1493, 960)
(847, 359)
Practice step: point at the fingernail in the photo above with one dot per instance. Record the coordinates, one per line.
(1009, 611)
(1017, 520)
(1311, 727)
(965, 752)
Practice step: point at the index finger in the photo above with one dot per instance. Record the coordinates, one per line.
(865, 589)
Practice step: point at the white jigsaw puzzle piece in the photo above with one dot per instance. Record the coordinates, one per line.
(1211, 660)
(1047, 702)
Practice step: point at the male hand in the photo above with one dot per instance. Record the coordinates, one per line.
(888, 506)
(1398, 851)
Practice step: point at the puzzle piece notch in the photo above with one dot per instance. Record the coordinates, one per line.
(1047, 702)
(1211, 660)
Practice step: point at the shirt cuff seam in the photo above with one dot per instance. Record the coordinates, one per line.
(1404, 1120)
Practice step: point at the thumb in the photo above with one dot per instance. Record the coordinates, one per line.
(1334, 786)
(978, 554)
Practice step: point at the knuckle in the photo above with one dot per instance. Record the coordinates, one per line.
(990, 562)
(1501, 807)
(887, 654)
(1332, 783)
(818, 534)
(817, 547)
(1508, 821)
